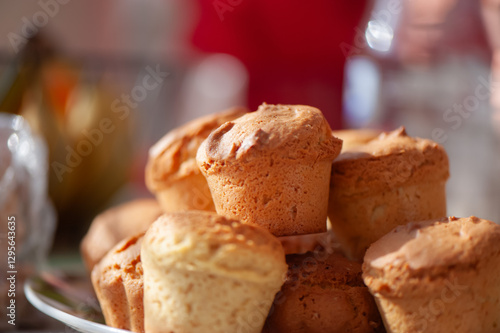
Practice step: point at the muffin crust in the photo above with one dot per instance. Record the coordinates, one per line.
(206, 273)
(390, 181)
(119, 285)
(323, 292)
(116, 224)
(272, 168)
(172, 173)
(437, 276)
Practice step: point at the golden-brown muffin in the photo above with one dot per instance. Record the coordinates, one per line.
(172, 174)
(272, 168)
(437, 276)
(323, 292)
(392, 180)
(115, 224)
(355, 137)
(118, 283)
(206, 273)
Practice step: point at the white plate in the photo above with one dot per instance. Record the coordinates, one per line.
(68, 300)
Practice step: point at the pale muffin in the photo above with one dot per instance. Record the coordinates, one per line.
(116, 224)
(323, 292)
(437, 276)
(118, 283)
(390, 181)
(206, 273)
(172, 174)
(272, 168)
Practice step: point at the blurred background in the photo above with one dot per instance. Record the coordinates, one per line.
(67, 65)
(101, 82)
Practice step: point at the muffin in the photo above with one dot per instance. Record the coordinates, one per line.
(118, 283)
(437, 276)
(323, 293)
(305, 243)
(272, 168)
(116, 224)
(206, 273)
(390, 181)
(324, 241)
(171, 172)
(356, 137)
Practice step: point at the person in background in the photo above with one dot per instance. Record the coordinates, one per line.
(491, 15)
(291, 49)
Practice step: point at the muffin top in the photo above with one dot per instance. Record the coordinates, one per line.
(115, 224)
(122, 262)
(354, 137)
(429, 249)
(393, 159)
(205, 241)
(288, 131)
(174, 156)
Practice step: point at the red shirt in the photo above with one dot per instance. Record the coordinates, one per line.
(292, 49)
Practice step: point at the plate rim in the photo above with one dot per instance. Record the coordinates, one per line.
(68, 319)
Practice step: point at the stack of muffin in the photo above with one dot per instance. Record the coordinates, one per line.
(238, 240)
